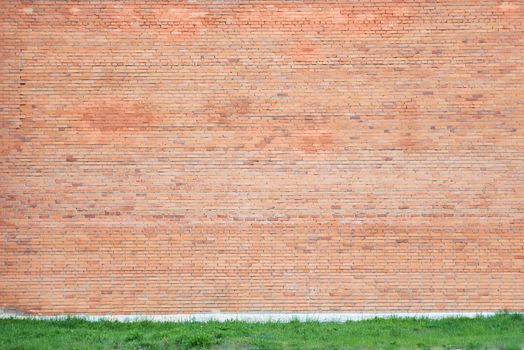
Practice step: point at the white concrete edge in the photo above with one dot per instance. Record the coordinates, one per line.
(258, 316)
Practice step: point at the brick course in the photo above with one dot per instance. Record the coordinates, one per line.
(177, 157)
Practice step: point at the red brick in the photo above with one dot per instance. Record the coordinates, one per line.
(174, 157)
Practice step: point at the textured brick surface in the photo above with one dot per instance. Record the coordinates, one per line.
(177, 157)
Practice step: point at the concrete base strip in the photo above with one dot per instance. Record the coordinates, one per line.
(258, 317)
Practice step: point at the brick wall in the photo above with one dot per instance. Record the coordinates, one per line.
(178, 157)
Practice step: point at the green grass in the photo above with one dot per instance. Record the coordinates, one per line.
(503, 331)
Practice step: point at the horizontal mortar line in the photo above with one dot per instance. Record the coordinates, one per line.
(267, 158)
(172, 163)
(270, 219)
(276, 190)
(232, 211)
(252, 195)
(254, 161)
(195, 151)
(181, 166)
(319, 119)
(219, 170)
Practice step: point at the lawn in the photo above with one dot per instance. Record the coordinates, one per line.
(503, 331)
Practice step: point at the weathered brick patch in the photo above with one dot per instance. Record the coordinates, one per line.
(177, 157)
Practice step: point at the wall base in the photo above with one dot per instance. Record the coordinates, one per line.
(259, 317)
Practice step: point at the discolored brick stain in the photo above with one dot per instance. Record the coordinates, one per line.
(243, 156)
(111, 116)
(229, 112)
(510, 7)
(412, 128)
(304, 50)
(182, 23)
(12, 144)
(313, 144)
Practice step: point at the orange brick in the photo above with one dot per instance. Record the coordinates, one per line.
(165, 157)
